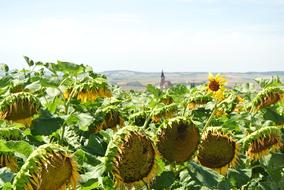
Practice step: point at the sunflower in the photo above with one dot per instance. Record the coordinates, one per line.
(67, 93)
(197, 100)
(239, 104)
(216, 86)
(131, 158)
(164, 112)
(260, 142)
(178, 139)
(217, 150)
(138, 118)
(107, 118)
(49, 167)
(9, 160)
(267, 97)
(11, 133)
(19, 107)
(91, 90)
(166, 99)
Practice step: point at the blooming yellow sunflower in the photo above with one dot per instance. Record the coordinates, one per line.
(216, 86)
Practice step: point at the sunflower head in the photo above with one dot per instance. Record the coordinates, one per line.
(267, 97)
(217, 150)
(18, 88)
(167, 99)
(197, 100)
(131, 158)
(49, 167)
(11, 133)
(164, 112)
(260, 142)
(178, 139)
(19, 107)
(138, 118)
(91, 90)
(9, 160)
(215, 86)
(108, 118)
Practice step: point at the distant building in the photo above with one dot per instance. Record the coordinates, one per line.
(164, 84)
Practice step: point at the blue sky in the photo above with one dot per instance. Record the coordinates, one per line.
(146, 35)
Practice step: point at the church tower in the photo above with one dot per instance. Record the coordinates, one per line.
(164, 84)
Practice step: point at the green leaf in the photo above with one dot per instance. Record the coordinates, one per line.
(85, 120)
(29, 61)
(35, 86)
(52, 92)
(46, 125)
(4, 67)
(20, 147)
(90, 185)
(205, 176)
(68, 68)
(153, 90)
(95, 145)
(237, 178)
(85, 157)
(164, 181)
(5, 176)
(273, 81)
(5, 81)
(273, 116)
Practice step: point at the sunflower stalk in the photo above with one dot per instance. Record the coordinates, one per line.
(148, 118)
(211, 116)
(215, 108)
(66, 106)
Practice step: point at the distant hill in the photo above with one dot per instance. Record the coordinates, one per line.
(139, 80)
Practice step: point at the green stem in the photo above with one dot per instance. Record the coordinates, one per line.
(211, 116)
(148, 119)
(62, 134)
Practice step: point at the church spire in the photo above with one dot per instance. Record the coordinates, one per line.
(162, 75)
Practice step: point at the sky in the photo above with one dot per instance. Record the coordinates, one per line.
(146, 35)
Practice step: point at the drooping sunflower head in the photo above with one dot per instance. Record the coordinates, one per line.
(108, 117)
(217, 150)
(167, 99)
(177, 139)
(164, 112)
(131, 158)
(138, 118)
(11, 133)
(49, 167)
(19, 107)
(262, 141)
(197, 100)
(9, 160)
(267, 97)
(91, 90)
(20, 87)
(215, 86)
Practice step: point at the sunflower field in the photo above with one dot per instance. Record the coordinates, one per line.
(63, 126)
